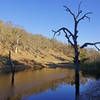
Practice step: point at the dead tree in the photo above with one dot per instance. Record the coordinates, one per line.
(72, 36)
(18, 35)
(12, 67)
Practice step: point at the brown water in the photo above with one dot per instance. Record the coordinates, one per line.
(45, 84)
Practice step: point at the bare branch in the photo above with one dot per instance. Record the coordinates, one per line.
(66, 35)
(94, 44)
(79, 6)
(78, 14)
(97, 48)
(85, 16)
(61, 29)
(68, 10)
(79, 11)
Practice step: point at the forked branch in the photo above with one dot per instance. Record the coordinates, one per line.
(69, 10)
(79, 10)
(66, 31)
(85, 16)
(62, 29)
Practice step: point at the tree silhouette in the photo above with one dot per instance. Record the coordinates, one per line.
(12, 67)
(72, 37)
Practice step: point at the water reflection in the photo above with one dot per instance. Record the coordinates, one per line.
(11, 92)
(12, 81)
(48, 83)
(77, 85)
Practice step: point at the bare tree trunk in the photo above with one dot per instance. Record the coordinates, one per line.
(12, 67)
(72, 39)
(16, 48)
(76, 61)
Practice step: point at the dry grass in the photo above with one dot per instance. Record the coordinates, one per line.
(25, 60)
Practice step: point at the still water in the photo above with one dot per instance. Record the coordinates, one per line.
(45, 84)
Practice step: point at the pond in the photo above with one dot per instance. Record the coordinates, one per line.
(45, 84)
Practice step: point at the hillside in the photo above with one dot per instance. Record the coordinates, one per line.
(33, 50)
(30, 50)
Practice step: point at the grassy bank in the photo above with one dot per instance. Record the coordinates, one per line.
(23, 64)
(25, 60)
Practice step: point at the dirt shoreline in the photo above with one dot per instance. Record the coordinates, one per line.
(33, 65)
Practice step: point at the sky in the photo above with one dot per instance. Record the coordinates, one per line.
(43, 16)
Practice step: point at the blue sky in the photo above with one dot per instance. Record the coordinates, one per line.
(41, 16)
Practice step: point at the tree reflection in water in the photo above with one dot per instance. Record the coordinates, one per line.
(52, 83)
(77, 85)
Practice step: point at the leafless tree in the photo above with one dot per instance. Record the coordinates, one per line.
(17, 32)
(72, 38)
(12, 67)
